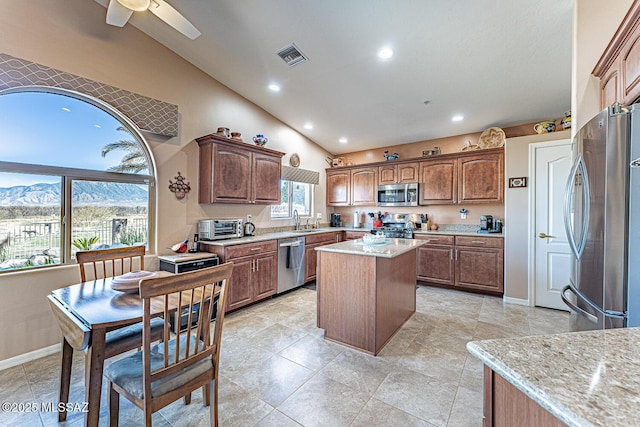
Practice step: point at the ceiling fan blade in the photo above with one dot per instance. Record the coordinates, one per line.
(117, 14)
(168, 14)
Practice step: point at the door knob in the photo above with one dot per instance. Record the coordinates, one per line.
(545, 236)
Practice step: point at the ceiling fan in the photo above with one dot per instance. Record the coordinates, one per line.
(119, 12)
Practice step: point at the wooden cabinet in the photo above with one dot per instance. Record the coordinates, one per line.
(506, 406)
(480, 263)
(469, 178)
(438, 182)
(619, 66)
(468, 262)
(398, 173)
(435, 260)
(310, 255)
(354, 235)
(481, 178)
(352, 187)
(255, 270)
(236, 172)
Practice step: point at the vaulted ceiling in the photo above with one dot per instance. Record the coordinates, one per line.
(492, 62)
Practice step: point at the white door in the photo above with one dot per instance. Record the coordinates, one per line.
(551, 163)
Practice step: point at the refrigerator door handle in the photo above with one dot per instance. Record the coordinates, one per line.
(576, 247)
(578, 294)
(574, 307)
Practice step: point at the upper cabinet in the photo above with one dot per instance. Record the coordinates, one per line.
(466, 177)
(474, 177)
(237, 172)
(481, 178)
(619, 67)
(352, 186)
(398, 173)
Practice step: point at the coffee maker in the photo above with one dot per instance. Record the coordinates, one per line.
(486, 222)
(335, 221)
(490, 225)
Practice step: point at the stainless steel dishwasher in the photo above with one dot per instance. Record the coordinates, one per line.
(290, 263)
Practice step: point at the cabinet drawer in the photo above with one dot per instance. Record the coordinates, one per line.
(320, 238)
(353, 235)
(238, 251)
(438, 239)
(480, 242)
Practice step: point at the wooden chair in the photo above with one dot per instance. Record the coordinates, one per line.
(98, 264)
(161, 374)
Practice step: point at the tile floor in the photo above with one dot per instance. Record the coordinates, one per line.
(277, 370)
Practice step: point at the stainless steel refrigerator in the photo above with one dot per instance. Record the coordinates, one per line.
(602, 221)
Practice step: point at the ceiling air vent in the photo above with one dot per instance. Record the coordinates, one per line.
(292, 55)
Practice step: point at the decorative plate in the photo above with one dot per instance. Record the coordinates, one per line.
(492, 138)
(129, 282)
(294, 160)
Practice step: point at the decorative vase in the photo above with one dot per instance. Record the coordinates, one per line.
(260, 140)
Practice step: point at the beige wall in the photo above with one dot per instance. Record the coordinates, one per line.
(74, 38)
(516, 207)
(594, 22)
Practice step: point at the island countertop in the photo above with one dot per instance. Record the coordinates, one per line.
(390, 248)
(582, 378)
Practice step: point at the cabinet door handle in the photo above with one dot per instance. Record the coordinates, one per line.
(478, 241)
(257, 265)
(253, 265)
(256, 249)
(451, 254)
(456, 251)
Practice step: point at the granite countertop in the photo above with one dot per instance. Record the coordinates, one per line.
(390, 248)
(582, 378)
(451, 230)
(271, 236)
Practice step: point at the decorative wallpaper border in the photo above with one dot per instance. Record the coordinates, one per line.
(147, 113)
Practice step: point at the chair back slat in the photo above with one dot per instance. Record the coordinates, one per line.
(101, 263)
(198, 290)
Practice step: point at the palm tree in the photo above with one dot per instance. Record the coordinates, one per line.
(134, 161)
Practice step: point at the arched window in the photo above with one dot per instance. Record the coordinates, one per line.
(74, 174)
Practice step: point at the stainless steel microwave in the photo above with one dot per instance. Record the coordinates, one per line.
(217, 229)
(398, 195)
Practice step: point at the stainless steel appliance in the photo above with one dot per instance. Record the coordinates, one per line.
(181, 264)
(398, 195)
(398, 225)
(489, 225)
(602, 222)
(216, 229)
(290, 263)
(336, 220)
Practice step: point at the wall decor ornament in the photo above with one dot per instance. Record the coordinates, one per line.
(517, 182)
(179, 188)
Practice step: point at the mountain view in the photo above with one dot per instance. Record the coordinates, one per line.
(84, 193)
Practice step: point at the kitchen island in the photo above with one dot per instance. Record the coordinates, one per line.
(366, 292)
(575, 379)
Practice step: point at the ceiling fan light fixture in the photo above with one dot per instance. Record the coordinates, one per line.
(135, 5)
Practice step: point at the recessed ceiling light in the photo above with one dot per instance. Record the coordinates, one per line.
(342, 140)
(457, 118)
(274, 87)
(308, 125)
(385, 53)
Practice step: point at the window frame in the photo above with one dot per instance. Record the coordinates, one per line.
(290, 214)
(68, 174)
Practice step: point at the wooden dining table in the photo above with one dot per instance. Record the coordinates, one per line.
(85, 313)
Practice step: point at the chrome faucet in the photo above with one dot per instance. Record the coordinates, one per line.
(296, 219)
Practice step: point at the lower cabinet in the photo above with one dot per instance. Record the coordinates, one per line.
(436, 260)
(354, 235)
(255, 270)
(468, 262)
(506, 406)
(311, 256)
